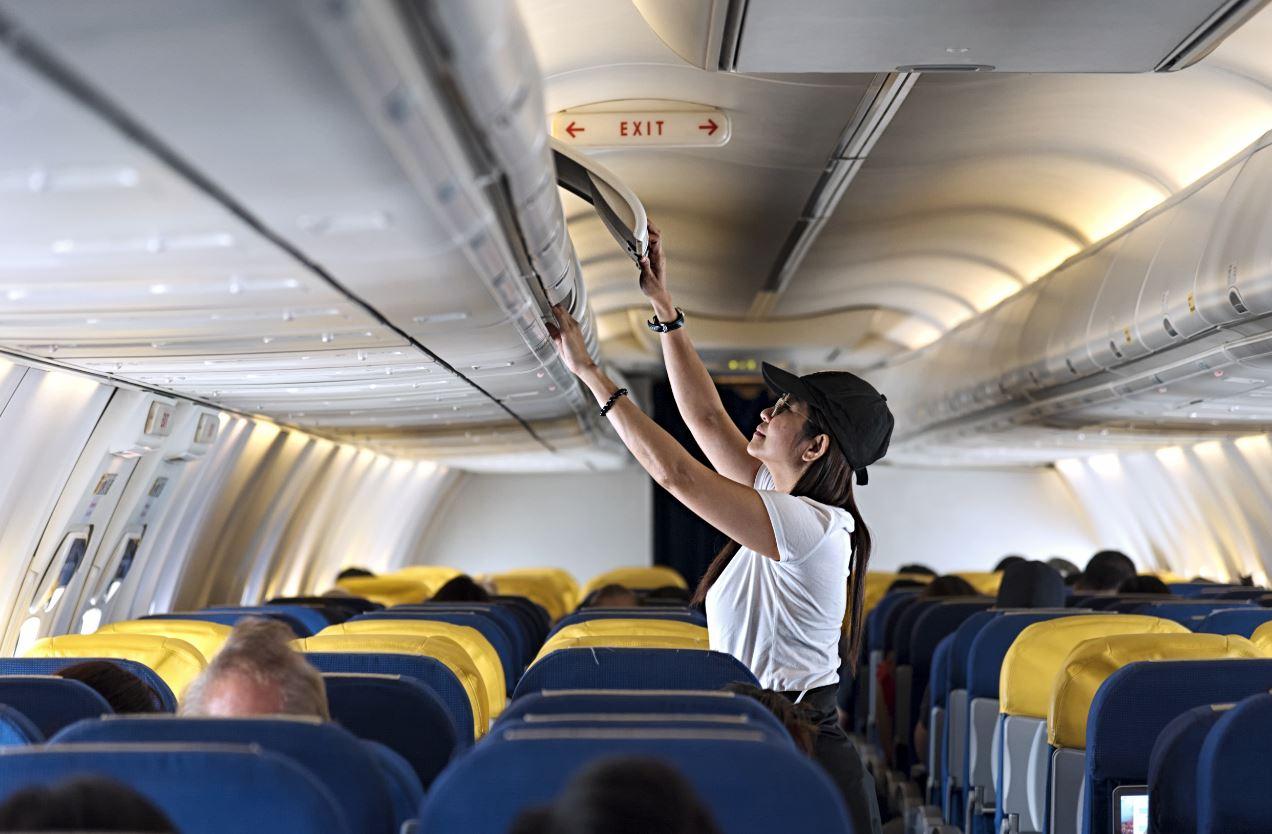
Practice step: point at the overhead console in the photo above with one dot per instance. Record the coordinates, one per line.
(1164, 326)
(787, 36)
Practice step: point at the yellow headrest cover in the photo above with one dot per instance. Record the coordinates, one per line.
(387, 590)
(1092, 661)
(984, 583)
(433, 576)
(206, 637)
(640, 578)
(444, 649)
(1262, 639)
(539, 589)
(1037, 655)
(176, 661)
(603, 632)
(483, 654)
(649, 641)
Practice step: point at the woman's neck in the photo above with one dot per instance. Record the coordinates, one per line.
(785, 478)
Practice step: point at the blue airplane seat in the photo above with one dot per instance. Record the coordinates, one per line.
(405, 788)
(1172, 769)
(401, 713)
(522, 627)
(203, 789)
(735, 773)
(51, 703)
(335, 757)
(429, 671)
(16, 728)
(1232, 772)
(1190, 614)
(230, 617)
(494, 633)
(53, 665)
(1242, 621)
(680, 615)
(1135, 704)
(311, 618)
(604, 668)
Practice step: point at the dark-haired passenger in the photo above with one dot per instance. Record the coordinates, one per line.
(1008, 561)
(1144, 583)
(1105, 572)
(462, 588)
(612, 596)
(83, 803)
(1031, 585)
(125, 692)
(354, 573)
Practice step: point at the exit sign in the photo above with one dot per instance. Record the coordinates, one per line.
(670, 128)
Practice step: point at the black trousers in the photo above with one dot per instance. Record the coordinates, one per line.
(837, 756)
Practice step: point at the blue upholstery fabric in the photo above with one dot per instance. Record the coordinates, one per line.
(964, 636)
(1172, 771)
(515, 619)
(876, 620)
(1234, 593)
(644, 724)
(739, 778)
(202, 789)
(1197, 589)
(903, 628)
(337, 759)
(1232, 773)
(499, 640)
(892, 619)
(937, 623)
(1242, 621)
(427, 670)
(404, 786)
(53, 665)
(682, 615)
(230, 618)
(16, 728)
(311, 618)
(537, 613)
(715, 710)
(939, 680)
(399, 712)
(633, 669)
(1189, 614)
(1133, 706)
(51, 703)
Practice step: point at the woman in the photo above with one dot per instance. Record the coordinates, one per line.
(776, 595)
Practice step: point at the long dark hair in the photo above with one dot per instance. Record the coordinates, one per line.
(827, 481)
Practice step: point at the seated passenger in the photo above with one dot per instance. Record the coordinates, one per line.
(903, 582)
(1008, 561)
(353, 573)
(667, 595)
(622, 795)
(803, 731)
(1030, 585)
(84, 803)
(915, 567)
(124, 691)
(462, 588)
(257, 673)
(1065, 567)
(1105, 572)
(612, 596)
(1144, 583)
(948, 586)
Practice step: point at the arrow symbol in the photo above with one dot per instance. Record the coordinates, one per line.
(710, 127)
(574, 129)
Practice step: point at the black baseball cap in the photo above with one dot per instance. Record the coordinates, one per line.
(859, 420)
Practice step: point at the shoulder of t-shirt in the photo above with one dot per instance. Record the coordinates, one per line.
(830, 516)
(764, 478)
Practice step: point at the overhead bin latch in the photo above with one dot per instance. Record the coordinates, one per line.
(619, 209)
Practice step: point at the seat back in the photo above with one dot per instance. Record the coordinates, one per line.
(450, 653)
(651, 628)
(312, 619)
(203, 789)
(1241, 621)
(1172, 769)
(954, 746)
(429, 671)
(1232, 772)
(16, 728)
(734, 772)
(53, 665)
(336, 758)
(1191, 614)
(1135, 705)
(231, 618)
(556, 593)
(176, 661)
(205, 636)
(387, 590)
(639, 578)
(680, 615)
(51, 703)
(605, 668)
(1088, 667)
(506, 642)
(399, 712)
(516, 620)
(482, 652)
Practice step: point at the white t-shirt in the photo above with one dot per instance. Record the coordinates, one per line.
(782, 618)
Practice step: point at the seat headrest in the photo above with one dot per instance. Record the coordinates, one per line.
(174, 660)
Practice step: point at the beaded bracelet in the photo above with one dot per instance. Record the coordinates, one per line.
(621, 392)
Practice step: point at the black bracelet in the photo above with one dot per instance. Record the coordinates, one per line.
(621, 392)
(667, 326)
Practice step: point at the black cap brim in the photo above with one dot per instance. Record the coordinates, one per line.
(785, 382)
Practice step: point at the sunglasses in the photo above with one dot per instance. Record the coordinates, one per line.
(784, 404)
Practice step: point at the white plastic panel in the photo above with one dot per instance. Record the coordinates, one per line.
(1235, 278)
(1111, 335)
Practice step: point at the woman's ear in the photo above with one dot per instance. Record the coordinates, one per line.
(817, 447)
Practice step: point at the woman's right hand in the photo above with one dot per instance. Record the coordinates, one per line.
(653, 271)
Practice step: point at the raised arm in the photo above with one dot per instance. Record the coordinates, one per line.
(691, 385)
(732, 508)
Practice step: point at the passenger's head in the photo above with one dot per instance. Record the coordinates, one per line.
(1064, 566)
(803, 731)
(1008, 561)
(667, 594)
(353, 573)
(903, 582)
(256, 672)
(613, 596)
(948, 586)
(1105, 572)
(124, 691)
(1144, 583)
(622, 795)
(84, 803)
(917, 569)
(462, 588)
(1030, 585)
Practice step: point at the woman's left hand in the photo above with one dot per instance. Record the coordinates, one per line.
(568, 338)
